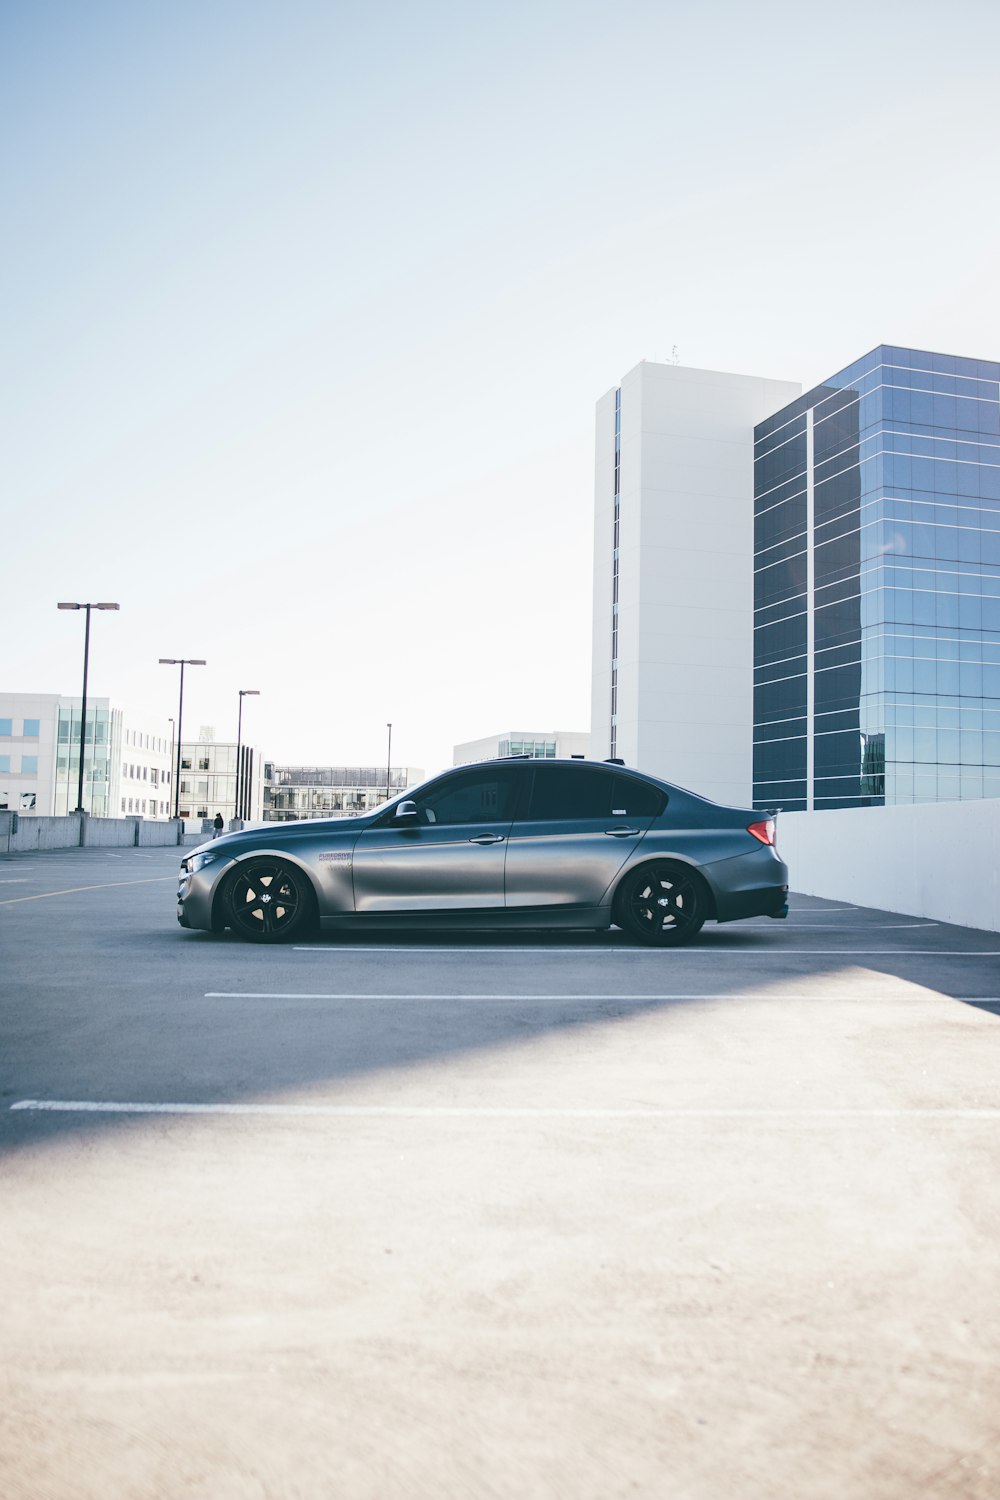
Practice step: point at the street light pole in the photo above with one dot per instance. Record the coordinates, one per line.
(388, 765)
(83, 704)
(244, 693)
(182, 662)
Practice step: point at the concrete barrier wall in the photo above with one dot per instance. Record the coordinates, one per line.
(938, 859)
(109, 833)
(21, 835)
(27, 833)
(158, 834)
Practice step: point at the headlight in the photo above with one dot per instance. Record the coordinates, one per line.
(195, 862)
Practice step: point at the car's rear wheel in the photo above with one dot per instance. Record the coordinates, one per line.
(662, 904)
(268, 901)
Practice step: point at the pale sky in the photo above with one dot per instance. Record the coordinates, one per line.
(306, 308)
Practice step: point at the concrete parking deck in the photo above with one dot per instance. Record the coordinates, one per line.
(530, 1216)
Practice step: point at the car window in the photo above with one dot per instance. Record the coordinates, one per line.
(637, 799)
(480, 797)
(573, 793)
(569, 793)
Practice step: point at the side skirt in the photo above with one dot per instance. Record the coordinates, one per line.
(592, 918)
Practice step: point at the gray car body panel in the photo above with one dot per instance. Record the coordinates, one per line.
(367, 871)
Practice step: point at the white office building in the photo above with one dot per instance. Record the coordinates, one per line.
(673, 574)
(552, 744)
(208, 782)
(126, 766)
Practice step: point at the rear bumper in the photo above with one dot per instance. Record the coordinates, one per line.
(769, 902)
(752, 885)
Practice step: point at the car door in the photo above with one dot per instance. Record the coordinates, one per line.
(451, 858)
(578, 826)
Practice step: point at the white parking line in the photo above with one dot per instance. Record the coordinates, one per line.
(822, 911)
(845, 926)
(338, 947)
(358, 995)
(76, 889)
(340, 950)
(488, 1112)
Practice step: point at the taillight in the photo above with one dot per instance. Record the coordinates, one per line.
(763, 831)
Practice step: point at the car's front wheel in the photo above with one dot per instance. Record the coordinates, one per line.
(662, 904)
(268, 901)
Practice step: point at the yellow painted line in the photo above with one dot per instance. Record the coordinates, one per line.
(74, 889)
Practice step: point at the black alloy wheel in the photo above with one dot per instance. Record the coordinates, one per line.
(663, 904)
(267, 901)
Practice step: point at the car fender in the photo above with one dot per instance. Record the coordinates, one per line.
(642, 856)
(258, 853)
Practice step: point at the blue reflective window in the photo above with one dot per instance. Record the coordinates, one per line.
(969, 545)
(6, 726)
(29, 765)
(4, 762)
(32, 728)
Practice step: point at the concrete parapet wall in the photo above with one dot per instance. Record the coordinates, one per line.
(932, 859)
(19, 834)
(22, 835)
(157, 834)
(108, 833)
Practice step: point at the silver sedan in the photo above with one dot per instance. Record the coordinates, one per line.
(506, 843)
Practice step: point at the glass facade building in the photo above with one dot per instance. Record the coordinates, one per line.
(329, 791)
(877, 586)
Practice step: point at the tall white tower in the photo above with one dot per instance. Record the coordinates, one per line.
(673, 574)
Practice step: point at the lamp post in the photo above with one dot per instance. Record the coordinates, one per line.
(244, 693)
(182, 662)
(388, 765)
(171, 744)
(83, 705)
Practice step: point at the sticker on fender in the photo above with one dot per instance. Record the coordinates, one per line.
(335, 859)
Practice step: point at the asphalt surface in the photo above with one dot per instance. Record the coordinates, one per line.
(519, 1216)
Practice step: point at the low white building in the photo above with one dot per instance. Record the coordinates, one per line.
(126, 766)
(553, 744)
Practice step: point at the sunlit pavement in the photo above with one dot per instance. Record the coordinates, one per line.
(539, 1216)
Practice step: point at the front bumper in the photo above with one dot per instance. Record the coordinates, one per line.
(196, 894)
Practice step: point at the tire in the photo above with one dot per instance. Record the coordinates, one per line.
(267, 900)
(662, 904)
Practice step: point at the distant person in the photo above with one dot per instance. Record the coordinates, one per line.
(218, 824)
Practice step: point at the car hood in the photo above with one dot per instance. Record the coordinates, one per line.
(283, 833)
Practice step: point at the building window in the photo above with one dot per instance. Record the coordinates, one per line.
(6, 727)
(4, 763)
(29, 765)
(31, 728)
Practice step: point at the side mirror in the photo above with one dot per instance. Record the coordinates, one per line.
(406, 812)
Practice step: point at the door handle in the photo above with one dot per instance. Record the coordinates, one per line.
(621, 833)
(487, 838)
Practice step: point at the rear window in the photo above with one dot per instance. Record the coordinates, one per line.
(575, 793)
